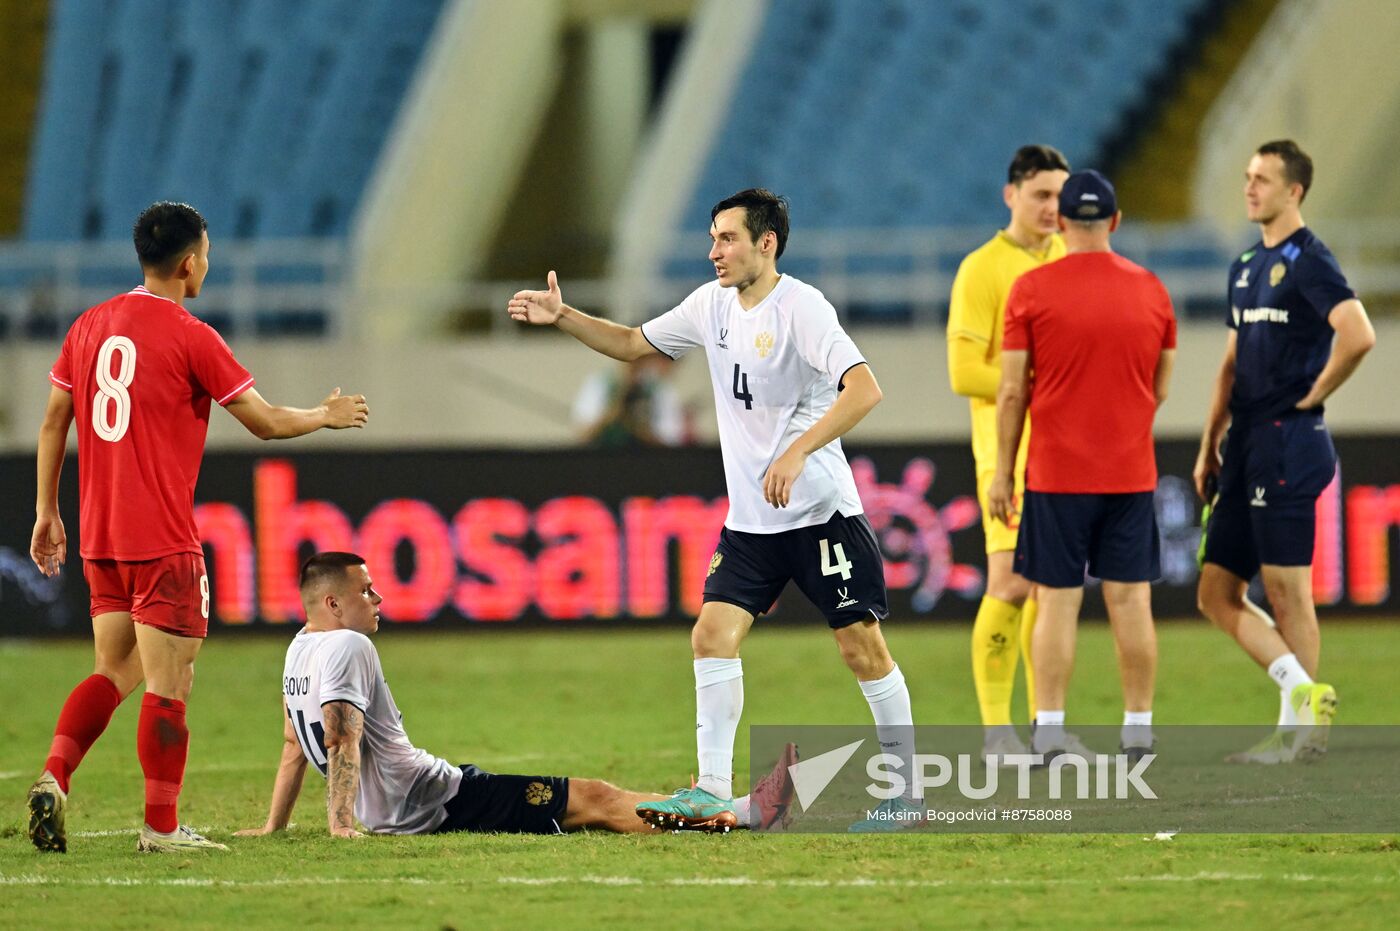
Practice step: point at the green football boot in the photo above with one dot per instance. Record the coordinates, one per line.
(691, 809)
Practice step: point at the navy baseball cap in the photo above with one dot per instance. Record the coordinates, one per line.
(1088, 195)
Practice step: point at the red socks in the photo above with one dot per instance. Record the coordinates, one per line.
(84, 717)
(162, 743)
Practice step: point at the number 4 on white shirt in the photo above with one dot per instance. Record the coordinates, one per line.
(842, 565)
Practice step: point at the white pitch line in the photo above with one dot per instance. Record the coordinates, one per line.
(498, 760)
(864, 883)
(31, 879)
(12, 774)
(118, 833)
(124, 832)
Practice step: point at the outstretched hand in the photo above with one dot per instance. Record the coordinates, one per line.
(345, 410)
(541, 308)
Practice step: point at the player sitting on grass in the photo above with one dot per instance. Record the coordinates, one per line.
(340, 715)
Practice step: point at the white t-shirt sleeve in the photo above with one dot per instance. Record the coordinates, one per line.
(348, 670)
(821, 341)
(679, 329)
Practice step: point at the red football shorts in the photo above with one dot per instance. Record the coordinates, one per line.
(170, 593)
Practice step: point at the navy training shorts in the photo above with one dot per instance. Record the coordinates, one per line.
(488, 802)
(1114, 536)
(837, 565)
(1272, 473)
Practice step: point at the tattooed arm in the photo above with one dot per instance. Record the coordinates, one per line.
(345, 725)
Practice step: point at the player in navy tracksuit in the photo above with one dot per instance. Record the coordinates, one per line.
(1297, 332)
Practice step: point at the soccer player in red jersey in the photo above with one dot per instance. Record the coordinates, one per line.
(137, 373)
(1099, 334)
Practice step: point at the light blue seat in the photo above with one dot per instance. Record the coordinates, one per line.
(267, 115)
(906, 111)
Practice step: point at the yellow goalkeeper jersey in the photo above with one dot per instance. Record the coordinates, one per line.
(975, 317)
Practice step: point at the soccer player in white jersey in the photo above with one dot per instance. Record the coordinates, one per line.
(788, 383)
(340, 716)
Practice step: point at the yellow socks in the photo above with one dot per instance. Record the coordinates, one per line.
(996, 644)
(1028, 613)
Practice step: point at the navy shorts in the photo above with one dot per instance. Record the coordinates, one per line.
(837, 565)
(1114, 536)
(1270, 478)
(506, 804)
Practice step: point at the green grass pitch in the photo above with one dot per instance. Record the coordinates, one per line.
(619, 705)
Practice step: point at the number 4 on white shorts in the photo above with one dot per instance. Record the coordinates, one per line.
(842, 564)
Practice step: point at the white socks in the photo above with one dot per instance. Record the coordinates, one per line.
(894, 719)
(1049, 731)
(719, 701)
(1288, 674)
(1137, 729)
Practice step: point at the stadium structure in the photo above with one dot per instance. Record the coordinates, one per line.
(380, 176)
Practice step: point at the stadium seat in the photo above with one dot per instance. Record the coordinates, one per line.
(923, 95)
(266, 115)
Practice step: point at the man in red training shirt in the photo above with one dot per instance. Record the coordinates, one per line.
(1089, 344)
(137, 374)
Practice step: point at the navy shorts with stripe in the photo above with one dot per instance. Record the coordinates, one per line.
(1272, 472)
(837, 565)
(490, 802)
(1113, 536)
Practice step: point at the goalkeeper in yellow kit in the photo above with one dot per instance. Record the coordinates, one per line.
(1006, 616)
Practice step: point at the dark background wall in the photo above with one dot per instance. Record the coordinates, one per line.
(497, 537)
